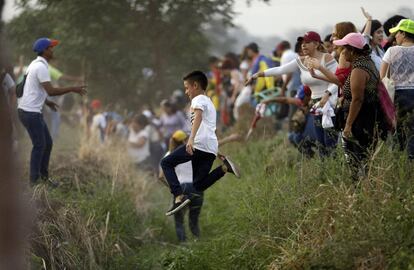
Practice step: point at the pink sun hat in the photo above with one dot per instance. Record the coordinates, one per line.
(356, 40)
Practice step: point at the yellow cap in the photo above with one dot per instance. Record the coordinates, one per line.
(179, 136)
(405, 25)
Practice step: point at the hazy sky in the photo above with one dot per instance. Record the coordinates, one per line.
(278, 17)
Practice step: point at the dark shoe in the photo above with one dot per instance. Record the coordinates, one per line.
(178, 206)
(51, 182)
(231, 167)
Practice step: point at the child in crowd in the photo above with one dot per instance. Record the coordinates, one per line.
(184, 173)
(201, 148)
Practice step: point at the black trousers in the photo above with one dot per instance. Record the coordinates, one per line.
(201, 162)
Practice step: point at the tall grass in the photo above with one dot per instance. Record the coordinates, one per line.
(96, 218)
(291, 213)
(287, 212)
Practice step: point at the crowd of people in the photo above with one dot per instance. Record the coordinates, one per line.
(330, 91)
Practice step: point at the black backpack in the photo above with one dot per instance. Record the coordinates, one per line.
(20, 87)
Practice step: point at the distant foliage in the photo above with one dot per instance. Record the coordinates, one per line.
(112, 42)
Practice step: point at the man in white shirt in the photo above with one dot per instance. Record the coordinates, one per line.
(37, 88)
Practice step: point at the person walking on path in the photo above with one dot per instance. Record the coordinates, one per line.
(37, 87)
(201, 148)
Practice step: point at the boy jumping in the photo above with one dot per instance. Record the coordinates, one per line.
(201, 148)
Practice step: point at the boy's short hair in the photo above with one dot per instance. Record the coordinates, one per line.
(197, 76)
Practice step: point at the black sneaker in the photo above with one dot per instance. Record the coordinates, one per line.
(178, 206)
(51, 182)
(231, 167)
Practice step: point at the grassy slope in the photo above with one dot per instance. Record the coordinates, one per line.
(285, 213)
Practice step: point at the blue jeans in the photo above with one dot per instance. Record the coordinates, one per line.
(41, 141)
(404, 101)
(305, 140)
(326, 138)
(193, 215)
(201, 162)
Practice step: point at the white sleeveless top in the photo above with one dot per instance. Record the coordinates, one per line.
(318, 87)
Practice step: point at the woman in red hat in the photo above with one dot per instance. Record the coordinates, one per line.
(322, 91)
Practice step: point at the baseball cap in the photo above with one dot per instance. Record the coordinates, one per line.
(355, 40)
(405, 25)
(96, 104)
(179, 136)
(312, 36)
(42, 44)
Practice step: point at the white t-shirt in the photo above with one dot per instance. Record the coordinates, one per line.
(401, 61)
(205, 139)
(34, 95)
(138, 154)
(317, 86)
(98, 126)
(98, 122)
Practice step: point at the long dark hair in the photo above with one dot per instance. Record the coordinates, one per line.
(365, 51)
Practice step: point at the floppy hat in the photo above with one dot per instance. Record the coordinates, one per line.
(355, 40)
(42, 44)
(312, 36)
(405, 25)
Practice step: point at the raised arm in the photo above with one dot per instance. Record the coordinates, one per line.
(290, 67)
(368, 24)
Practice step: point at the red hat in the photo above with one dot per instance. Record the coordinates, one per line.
(312, 36)
(96, 104)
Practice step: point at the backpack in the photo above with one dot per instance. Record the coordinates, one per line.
(20, 87)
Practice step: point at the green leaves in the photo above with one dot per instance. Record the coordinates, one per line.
(111, 42)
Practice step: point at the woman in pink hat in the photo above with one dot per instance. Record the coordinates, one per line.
(361, 104)
(322, 91)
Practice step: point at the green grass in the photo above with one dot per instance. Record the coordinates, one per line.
(285, 213)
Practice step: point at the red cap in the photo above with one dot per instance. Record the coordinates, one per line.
(96, 104)
(312, 36)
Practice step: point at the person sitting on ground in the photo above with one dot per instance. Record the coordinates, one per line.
(301, 131)
(201, 148)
